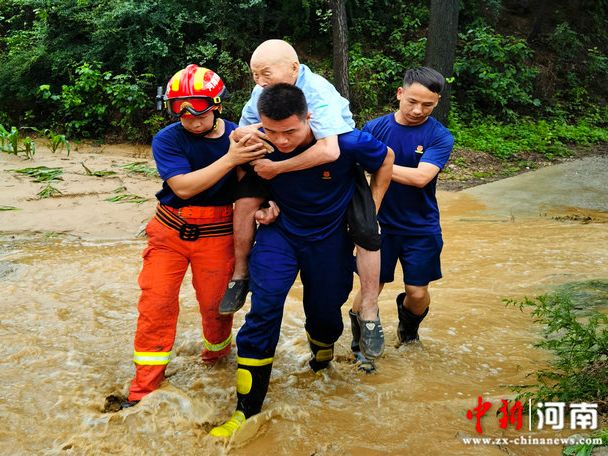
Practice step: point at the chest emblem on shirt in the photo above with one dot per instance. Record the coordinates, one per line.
(420, 149)
(326, 175)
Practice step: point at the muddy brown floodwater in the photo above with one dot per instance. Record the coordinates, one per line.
(68, 318)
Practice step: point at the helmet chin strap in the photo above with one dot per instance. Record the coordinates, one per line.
(216, 117)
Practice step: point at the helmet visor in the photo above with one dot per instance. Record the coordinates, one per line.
(196, 106)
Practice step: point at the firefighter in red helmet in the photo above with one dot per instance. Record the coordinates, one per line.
(196, 158)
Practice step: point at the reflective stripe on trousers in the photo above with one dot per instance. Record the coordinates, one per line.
(166, 260)
(151, 358)
(217, 347)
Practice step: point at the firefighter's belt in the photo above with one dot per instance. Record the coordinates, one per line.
(189, 231)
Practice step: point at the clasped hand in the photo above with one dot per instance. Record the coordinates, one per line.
(240, 152)
(267, 215)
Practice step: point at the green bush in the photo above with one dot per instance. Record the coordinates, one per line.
(374, 77)
(566, 43)
(575, 330)
(386, 37)
(236, 76)
(577, 80)
(504, 140)
(45, 43)
(42, 43)
(586, 449)
(371, 77)
(597, 62)
(493, 73)
(100, 103)
(578, 371)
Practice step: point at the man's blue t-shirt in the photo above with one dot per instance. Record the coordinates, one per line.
(313, 201)
(177, 151)
(407, 209)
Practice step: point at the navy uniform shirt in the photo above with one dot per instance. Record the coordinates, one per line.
(406, 209)
(313, 201)
(177, 151)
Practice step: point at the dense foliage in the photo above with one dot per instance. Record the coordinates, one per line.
(89, 68)
(575, 331)
(577, 336)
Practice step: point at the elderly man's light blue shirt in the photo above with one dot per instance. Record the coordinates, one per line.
(330, 112)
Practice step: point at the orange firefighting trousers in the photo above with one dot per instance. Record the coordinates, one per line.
(166, 260)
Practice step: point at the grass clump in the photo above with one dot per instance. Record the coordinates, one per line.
(56, 141)
(579, 369)
(13, 142)
(49, 191)
(102, 173)
(127, 198)
(140, 168)
(575, 331)
(586, 449)
(122, 197)
(42, 173)
(504, 140)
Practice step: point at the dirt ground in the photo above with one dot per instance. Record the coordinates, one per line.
(103, 192)
(107, 191)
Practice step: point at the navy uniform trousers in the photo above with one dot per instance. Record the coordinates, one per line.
(326, 272)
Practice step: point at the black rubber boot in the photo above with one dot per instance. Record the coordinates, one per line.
(356, 330)
(407, 331)
(128, 404)
(365, 364)
(115, 403)
(251, 387)
(322, 354)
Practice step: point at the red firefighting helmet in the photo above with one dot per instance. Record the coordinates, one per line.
(194, 91)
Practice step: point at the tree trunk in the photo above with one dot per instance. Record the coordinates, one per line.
(340, 46)
(539, 19)
(441, 47)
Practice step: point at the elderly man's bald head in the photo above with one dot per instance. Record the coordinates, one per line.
(274, 61)
(276, 50)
